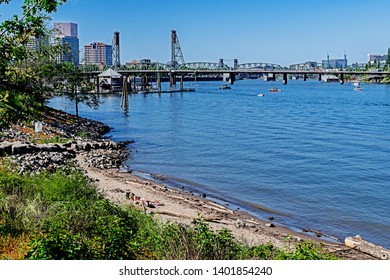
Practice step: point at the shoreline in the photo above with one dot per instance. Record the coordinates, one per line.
(170, 204)
(182, 207)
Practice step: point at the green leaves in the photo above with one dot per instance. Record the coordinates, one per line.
(20, 74)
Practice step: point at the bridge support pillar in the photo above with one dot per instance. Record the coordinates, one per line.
(232, 78)
(144, 82)
(319, 77)
(181, 83)
(284, 79)
(134, 84)
(305, 77)
(172, 81)
(341, 78)
(158, 83)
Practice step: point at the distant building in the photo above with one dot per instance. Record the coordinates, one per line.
(308, 65)
(143, 63)
(37, 44)
(98, 53)
(377, 59)
(62, 29)
(67, 33)
(335, 63)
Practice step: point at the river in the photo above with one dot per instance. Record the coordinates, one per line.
(316, 155)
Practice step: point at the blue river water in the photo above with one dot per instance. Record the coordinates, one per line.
(316, 155)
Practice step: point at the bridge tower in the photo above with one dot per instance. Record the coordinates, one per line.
(115, 51)
(176, 54)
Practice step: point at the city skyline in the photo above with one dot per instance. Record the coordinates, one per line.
(281, 32)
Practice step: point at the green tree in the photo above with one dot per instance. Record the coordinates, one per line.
(77, 86)
(387, 64)
(21, 83)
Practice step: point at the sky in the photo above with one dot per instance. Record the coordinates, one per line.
(283, 32)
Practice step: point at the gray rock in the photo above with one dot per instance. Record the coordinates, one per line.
(270, 225)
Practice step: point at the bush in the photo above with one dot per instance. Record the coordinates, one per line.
(98, 230)
(61, 216)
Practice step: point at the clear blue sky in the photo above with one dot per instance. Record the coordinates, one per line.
(276, 31)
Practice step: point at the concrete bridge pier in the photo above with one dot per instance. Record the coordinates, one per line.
(172, 81)
(158, 83)
(319, 77)
(181, 83)
(304, 77)
(144, 82)
(341, 78)
(284, 79)
(232, 78)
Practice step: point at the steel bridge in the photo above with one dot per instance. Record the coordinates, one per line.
(189, 66)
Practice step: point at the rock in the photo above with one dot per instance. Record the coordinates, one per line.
(239, 223)
(20, 148)
(5, 148)
(358, 243)
(269, 225)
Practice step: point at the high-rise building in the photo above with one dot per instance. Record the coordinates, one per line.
(67, 33)
(98, 53)
(37, 44)
(62, 29)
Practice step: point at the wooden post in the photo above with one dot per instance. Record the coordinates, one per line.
(97, 84)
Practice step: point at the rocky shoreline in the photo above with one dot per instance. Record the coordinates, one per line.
(81, 145)
(21, 144)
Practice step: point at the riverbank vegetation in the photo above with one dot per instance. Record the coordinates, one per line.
(29, 71)
(60, 215)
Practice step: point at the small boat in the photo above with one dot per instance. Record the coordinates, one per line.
(225, 87)
(275, 89)
(260, 94)
(358, 88)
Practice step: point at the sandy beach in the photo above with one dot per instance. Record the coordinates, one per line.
(168, 204)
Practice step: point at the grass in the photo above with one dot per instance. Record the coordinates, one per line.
(60, 215)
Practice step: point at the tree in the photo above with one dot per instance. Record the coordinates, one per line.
(387, 64)
(21, 83)
(76, 86)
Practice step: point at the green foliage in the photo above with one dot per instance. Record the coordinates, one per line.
(387, 64)
(64, 217)
(305, 250)
(78, 87)
(55, 139)
(25, 73)
(98, 230)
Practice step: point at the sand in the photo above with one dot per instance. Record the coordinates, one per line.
(178, 206)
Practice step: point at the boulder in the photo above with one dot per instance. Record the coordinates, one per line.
(19, 148)
(5, 148)
(358, 243)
